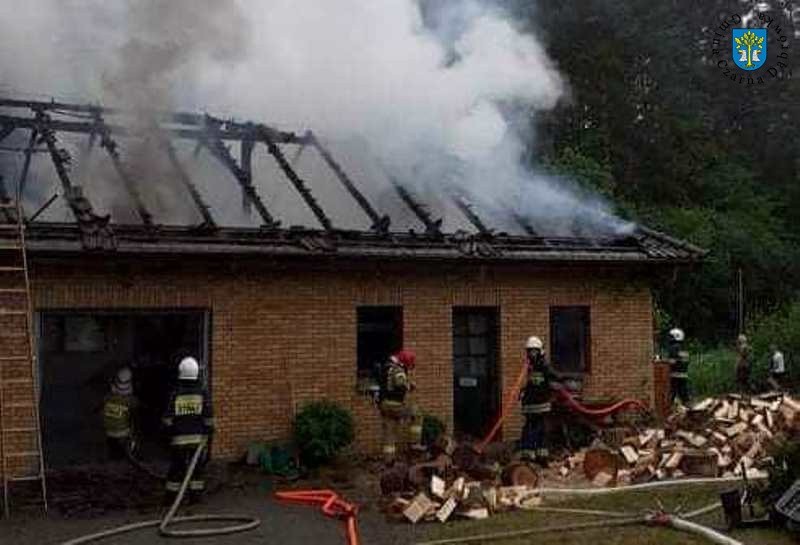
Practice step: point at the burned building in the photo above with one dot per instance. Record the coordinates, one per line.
(281, 312)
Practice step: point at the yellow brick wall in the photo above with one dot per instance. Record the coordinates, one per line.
(284, 335)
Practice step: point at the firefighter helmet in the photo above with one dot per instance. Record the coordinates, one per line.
(534, 343)
(188, 369)
(677, 334)
(122, 381)
(406, 358)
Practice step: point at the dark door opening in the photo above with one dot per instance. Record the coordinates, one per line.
(379, 335)
(476, 385)
(79, 354)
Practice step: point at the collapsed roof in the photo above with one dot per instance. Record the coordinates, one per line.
(447, 228)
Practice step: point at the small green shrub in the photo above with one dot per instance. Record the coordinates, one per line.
(712, 372)
(432, 428)
(781, 328)
(321, 430)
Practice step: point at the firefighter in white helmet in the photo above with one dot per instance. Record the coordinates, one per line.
(189, 422)
(119, 407)
(536, 398)
(679, 366)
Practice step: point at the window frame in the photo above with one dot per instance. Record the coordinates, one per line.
(587, 344)
(364, 370)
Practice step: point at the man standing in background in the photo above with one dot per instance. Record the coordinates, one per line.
(777, 369)
(743, 364)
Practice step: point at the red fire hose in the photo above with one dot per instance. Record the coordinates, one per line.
(333, 506)
(564, 397)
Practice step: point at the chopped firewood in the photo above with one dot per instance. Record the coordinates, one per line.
(418, 507)
(723, 410)
(775, 405)
(602, 479)
(490, 495)
(678, 474)
(736, 429)
(757, 419)
(699, 462)
(759, 403)
(727, 449)
(694, 439)
(770, 420)
(600, 459)
(733, 411)
(476, 514)
(753, 452)
(630, 454)
(792, 404)
(660, 474)
(624, 477)
(438, 486)
(564, 471)
(704, 405)
(530, 501)
(664, 459)
(520, 474)
(446, 510)
(719, 438)
(674, 460)
(745, 415)
(646, 437)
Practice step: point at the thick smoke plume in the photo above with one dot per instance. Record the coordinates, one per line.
(430, 94)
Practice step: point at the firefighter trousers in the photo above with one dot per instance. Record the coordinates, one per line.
(180, 458)
(401, 426)
(533, 442)
(679, 387)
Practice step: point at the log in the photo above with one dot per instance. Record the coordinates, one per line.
(630, 454)
(438, 487)
(520, 474)
(674, 460)
(704, 405)
(418, 508)
(770, 420)
(646, 437)
(736, 429)
(600, 459)
(476, 514)
(603, 479)
(792, 404)
(446, 510)
(722, 411)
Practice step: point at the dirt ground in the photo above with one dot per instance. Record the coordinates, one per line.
(84, 501)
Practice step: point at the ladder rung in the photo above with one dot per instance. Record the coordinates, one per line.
(5, 291)
(20, 430)
(12, 269)
(26, 478)
(9, 226)
(23, 454)
(13, 358)
(19, 405)
(4, 312)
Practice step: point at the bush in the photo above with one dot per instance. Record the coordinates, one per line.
(712, 372)
(432, 429)
(321, 430)
(781, 328)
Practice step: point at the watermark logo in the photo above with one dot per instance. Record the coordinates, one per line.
(749, 48)
(751, 61)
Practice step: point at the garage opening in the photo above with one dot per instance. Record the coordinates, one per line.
(80, 353)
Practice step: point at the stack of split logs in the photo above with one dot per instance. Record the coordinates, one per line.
(717, 437)
(727, 436)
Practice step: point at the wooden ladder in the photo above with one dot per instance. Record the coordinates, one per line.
(21, 452)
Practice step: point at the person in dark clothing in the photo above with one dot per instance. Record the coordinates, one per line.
(189, 422)
(536, 398)
(679, 367)
(743, 364)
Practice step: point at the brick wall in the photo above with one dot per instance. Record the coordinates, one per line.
(283, 335)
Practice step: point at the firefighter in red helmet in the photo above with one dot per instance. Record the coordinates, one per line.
(401, 421)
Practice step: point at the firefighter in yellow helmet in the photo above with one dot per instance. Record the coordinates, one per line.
(189, 422)
(400, 420)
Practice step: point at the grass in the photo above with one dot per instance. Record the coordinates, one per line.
(687, 497)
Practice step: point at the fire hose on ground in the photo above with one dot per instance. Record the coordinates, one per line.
(243, 522)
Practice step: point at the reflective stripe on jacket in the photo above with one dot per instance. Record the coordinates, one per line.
(117, 412)
(189, 418)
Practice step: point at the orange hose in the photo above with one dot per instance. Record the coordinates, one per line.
(509, 398)
(576, 406)
(332, 506)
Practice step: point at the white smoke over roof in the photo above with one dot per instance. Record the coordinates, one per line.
(425, 98)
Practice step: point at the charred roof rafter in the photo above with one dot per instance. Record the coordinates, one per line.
(186, 182)
(6, 130)
(266, 135)
(112, 148)
(432, 227)
(213, 141)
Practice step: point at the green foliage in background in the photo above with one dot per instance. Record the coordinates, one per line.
(321, 430)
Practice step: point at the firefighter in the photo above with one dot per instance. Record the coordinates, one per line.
(679, 367)
(400, 420)
(777, 369)
(743, 364)
(118, 409)
(189, 423)
(536, 402)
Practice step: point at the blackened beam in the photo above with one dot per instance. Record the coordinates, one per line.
(301, 187)
(26, 164)
(6, 130)
(380, 223)
(524, 224)
(246, 161)
(471, 215)
(221, 152)
(112, 148)
(95, 230)
(9, 214)
(432, 227)
(230, 130)
(186, 181)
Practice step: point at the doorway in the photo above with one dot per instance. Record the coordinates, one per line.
(476, 385)
(79, 354)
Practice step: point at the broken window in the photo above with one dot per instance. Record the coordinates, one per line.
(570, 343)
(380, 333)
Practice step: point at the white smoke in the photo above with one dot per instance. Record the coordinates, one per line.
(433, 100)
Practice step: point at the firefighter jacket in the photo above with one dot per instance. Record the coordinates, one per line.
(189, 419)
(536, 394)
(397, 384)
(679, 360)
(117, 415)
